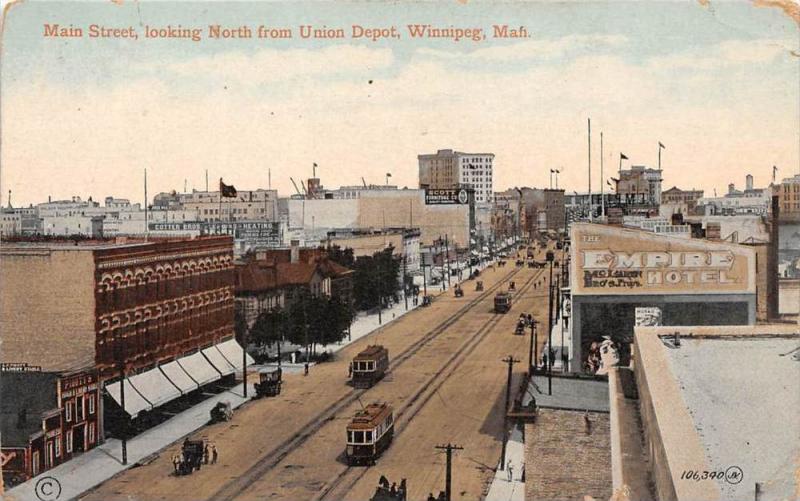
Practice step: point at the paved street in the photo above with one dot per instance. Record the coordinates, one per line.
(446, 385)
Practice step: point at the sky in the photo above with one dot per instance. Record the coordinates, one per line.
(717, 83)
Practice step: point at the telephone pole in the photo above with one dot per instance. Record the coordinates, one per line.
(510, 360)
(449, 448)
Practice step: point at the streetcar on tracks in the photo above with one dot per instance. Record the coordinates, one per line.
(502, 302)
(369, 433)
(370, 366)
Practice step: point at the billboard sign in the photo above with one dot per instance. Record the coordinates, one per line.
(451, 196)
(611, 260)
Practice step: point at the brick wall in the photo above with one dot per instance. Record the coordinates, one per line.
(564, 460)
(47, 307)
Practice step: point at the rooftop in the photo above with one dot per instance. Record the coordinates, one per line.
(723, 398)
(571, 393)
(742, 394)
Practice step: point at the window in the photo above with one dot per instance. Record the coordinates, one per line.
(58, 445)
(358, 437)
(349, 436)
(79, 409)
(69, 412)
(69, 441)
(91, 404)
(368, 436)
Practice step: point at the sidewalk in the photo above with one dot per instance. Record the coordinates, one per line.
(501, 489)
(101, 463)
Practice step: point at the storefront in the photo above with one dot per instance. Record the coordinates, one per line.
(617, 271)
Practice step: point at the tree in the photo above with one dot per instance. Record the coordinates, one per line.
(270, 328)
(341, 256)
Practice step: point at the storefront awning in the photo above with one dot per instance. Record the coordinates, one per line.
(155, 387)
(134, 402)
(232, 351)
(175, 373)
(199, 369)
(218, 361)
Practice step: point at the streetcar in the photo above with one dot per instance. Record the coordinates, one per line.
(369, 433)
(369, 366)
(502, 302)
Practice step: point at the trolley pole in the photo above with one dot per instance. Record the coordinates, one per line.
(510, 360)
(449, 448)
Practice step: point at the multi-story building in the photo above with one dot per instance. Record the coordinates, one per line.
(639, 185)
(455, 169)
(544, 210)
(735, 202)
(156, 316)
(54, 418)
(257, 204)
(788, 193)
(10, 223)
(678, 201)
(273, 278)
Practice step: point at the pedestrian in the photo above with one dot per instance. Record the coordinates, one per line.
(206, 454)
(350, 371)
(510, 470)
(176, 462)
(305, 368)
(522, 473)
(214, 454)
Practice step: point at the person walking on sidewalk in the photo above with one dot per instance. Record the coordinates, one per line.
(214, 454)
(176, 462)
(510, 470)
(305, 369)
(206, 454)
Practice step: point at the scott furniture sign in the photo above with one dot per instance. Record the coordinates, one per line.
(612, 260)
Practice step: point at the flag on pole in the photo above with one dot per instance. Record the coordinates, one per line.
(661, 145)
(227, 190)
(551, 171)
(388, 174)
(622, 156)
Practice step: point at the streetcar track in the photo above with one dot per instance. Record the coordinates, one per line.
(268, 461)
(428, 389)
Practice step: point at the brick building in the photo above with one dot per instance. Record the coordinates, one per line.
(268, 279)
(56, 417)
(158, 314)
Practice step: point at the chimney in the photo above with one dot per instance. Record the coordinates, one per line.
(294, 254)
(731, 189)
(749, 182)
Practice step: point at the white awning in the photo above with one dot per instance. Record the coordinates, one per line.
(217, 360)
(155, 387)
(232, 351)
(134, 402)
(198, 367)
(179, 377)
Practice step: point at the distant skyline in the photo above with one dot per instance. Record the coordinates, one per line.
(717, 84)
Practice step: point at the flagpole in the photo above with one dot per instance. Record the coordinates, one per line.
(602, 200)
(589, 122)
(145, 203)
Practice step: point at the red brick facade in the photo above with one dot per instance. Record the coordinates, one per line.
(159, 301)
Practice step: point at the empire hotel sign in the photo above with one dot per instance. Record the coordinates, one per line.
(611, 260)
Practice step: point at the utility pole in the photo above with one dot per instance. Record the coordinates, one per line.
(510, 360)
(531, 359)
(550, 257)
(405, 284)
(447, 257)
(244, 361)
(449, 448)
